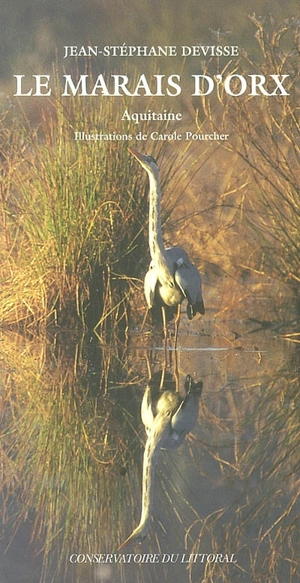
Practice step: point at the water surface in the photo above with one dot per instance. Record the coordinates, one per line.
(72, 459)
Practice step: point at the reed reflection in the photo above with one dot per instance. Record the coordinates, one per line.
(258, 519)
(65, 446)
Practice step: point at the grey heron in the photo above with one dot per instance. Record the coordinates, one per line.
(167, 418)
(171, 277)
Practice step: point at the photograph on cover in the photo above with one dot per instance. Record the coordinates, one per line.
(150, 297)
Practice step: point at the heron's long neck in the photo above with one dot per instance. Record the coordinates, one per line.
(153, 444)
(156, 243)
(149, 463)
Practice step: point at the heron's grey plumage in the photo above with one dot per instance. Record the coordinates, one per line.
(171, 277)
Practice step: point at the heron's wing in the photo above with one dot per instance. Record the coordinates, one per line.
(177, 255)
(190, 386)
(146, 409)
(186, 415)
(150, 282)
(188, 279)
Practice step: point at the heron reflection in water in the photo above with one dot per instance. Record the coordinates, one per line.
(167, 418)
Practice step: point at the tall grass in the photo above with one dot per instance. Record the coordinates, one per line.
(62, 460)
(265, 136)
(74, 214)
(269, 136)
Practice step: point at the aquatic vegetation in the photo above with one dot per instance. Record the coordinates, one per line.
(265, 132)
(74, 214)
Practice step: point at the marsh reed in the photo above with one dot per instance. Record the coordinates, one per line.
(265, 138)
(74, 215)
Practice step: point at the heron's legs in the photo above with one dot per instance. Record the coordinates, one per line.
(176, 372)
(165, 329)
(144, 320)
(164, 322)
(162, 378)
(148, 365)
(177, 321)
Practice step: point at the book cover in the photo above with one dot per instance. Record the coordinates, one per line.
(149, 292)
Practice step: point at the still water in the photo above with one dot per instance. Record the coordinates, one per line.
(226, 504)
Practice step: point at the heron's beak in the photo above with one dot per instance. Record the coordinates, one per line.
(136, 154)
